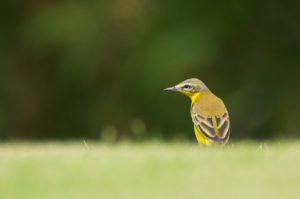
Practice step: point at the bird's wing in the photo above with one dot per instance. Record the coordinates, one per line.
(214, 128)
(223, 125)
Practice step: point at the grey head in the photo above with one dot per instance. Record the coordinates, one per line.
(192, 85)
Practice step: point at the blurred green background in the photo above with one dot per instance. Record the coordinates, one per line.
(97, 69)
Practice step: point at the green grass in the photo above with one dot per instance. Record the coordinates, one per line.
(151, 170)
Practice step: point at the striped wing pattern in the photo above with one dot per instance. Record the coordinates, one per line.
(215, 129)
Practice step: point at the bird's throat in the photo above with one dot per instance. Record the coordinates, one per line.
(195, 96)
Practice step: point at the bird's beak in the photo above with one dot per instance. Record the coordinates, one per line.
(171, 89)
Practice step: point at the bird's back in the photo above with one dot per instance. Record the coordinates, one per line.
(210, 117)
(208, 104)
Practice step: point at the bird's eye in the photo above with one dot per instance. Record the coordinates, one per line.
(187, 86)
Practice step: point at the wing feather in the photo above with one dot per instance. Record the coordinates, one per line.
(206, 127)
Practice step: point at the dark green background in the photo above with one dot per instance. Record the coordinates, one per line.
(97, 69)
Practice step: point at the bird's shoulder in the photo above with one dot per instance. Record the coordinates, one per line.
(208, 105)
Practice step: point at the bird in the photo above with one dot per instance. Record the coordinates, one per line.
(208, 112)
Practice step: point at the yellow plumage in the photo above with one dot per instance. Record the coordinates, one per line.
(208, 112)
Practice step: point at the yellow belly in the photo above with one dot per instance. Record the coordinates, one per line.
(200, 138)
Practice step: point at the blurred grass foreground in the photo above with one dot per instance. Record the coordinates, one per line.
(149, 170)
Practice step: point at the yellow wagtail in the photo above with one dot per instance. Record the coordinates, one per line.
(208, 112)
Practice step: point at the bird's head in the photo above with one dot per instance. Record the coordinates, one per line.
(189, 87)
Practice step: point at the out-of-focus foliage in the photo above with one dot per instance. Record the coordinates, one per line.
(97, 68)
